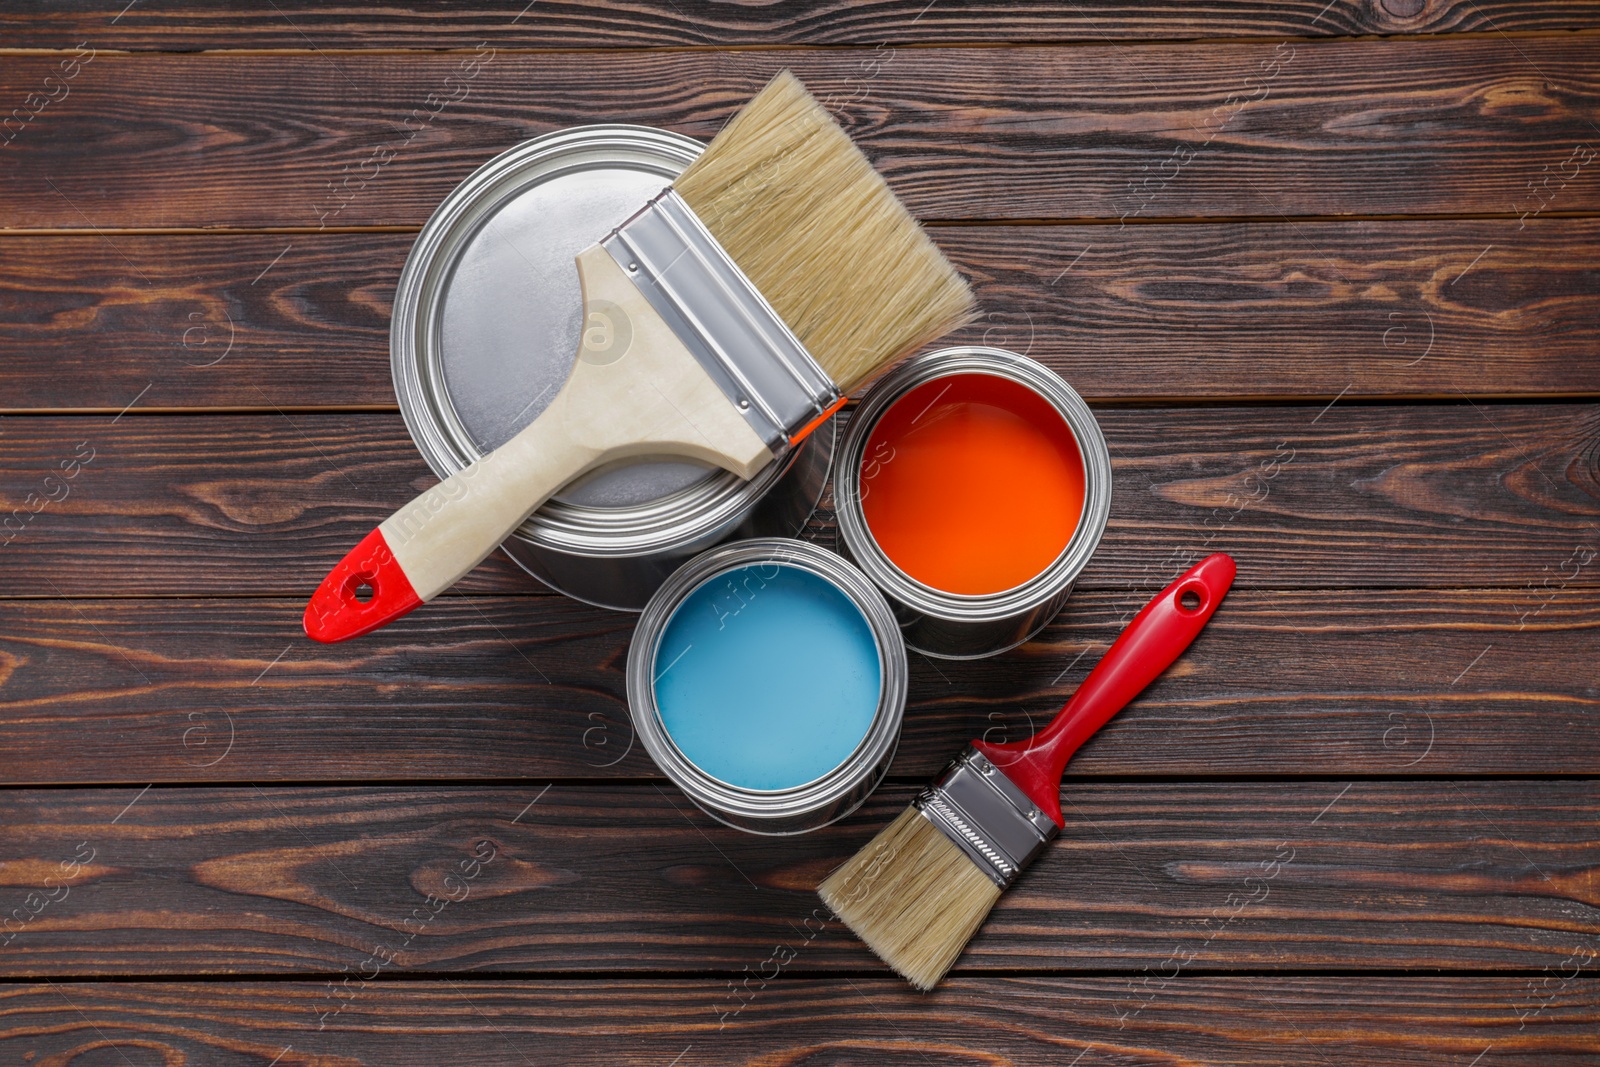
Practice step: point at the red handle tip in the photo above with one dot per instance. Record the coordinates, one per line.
(368, 589)
(1216, 572)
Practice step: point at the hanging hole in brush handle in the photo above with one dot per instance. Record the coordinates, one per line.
(367, 589)
(1153, 640)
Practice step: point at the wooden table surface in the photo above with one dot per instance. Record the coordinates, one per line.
(1327, 270)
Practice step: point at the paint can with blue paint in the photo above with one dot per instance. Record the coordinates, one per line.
(767, 679)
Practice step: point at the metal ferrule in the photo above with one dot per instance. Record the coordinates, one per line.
(720, 316)
(987, 816)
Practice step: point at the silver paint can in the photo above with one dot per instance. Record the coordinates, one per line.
(727, 580)
(953, 625)
(486, 325)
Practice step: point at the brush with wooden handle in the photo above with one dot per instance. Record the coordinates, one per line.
(919, 890)
(777, 272)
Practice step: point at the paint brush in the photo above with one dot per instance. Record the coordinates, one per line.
(919, 890)
(724, 321)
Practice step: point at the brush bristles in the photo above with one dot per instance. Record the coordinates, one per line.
(809, 221)
(913, 897)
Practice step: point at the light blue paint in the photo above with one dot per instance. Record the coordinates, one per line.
(767, 677)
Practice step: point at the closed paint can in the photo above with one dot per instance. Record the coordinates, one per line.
(972, 487)
(767, 679)
(487, 322)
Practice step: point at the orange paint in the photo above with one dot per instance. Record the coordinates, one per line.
(972, 483)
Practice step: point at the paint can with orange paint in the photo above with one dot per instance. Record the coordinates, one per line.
(972, 487)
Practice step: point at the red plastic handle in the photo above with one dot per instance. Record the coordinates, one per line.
(1156, 637)
(337, 611)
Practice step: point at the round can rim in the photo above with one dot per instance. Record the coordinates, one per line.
(1062, 572)
(437, 430)
(777, 806)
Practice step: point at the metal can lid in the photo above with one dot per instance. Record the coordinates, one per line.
(488, 317)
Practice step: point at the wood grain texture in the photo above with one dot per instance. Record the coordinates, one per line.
(1481, 124)
(1350, 496)
(1381, 682)
(302, 24)
(1357, 823)
(1204, 1021)
(1147, 879)
(1367, 309)
(202, 321)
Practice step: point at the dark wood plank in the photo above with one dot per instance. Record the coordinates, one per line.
(1364, 127)
(1488, 308)
(201, 321)
(299, 24)
(1350, 496)
(1146, 877)
(1202, 1021)
(1372, 682)
(1313, 309)
(227, 501)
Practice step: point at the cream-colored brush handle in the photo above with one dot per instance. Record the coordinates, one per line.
(634, 390)
(448, 530)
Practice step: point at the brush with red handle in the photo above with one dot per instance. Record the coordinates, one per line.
(919, 890)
